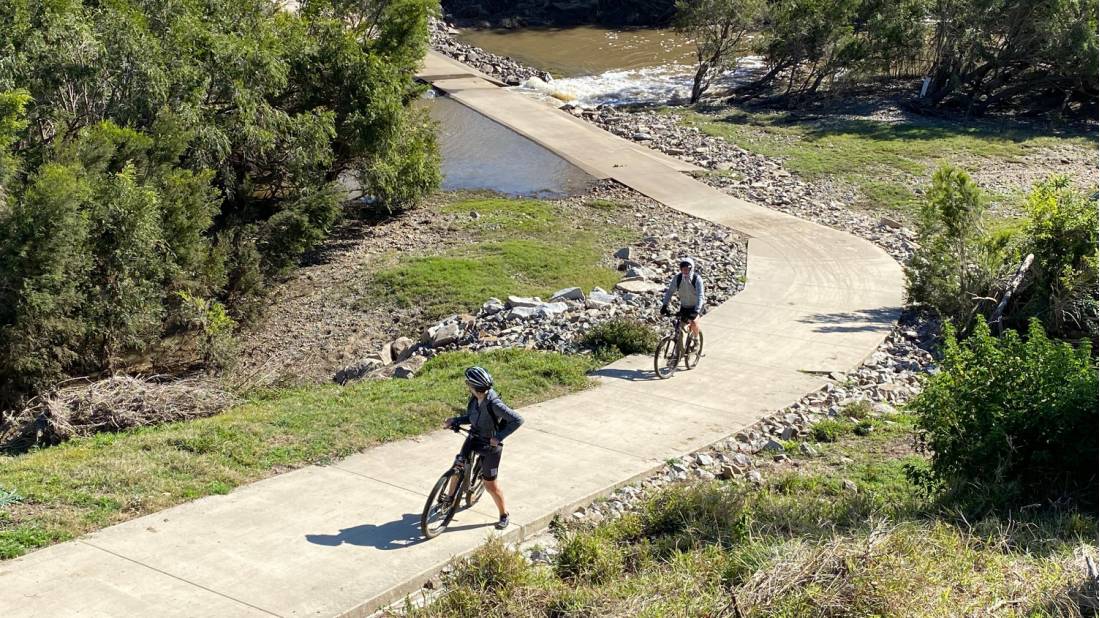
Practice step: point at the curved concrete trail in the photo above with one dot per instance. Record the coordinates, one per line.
(342, 539)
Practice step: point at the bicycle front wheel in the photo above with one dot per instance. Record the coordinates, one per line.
(666, 358)
(439, 510)
(694, 350)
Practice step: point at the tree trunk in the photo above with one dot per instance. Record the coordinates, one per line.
(700, 84)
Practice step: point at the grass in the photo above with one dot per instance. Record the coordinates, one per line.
(801, 545)
(513, 247)
(86, 484)
(888, 161)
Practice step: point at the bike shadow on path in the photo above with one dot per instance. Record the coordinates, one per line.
(397, 534)
(630, 375)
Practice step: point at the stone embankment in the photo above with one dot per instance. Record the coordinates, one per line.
(559, 322)
(442, 39)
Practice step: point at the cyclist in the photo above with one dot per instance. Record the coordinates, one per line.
(688, 286)
(491, 421)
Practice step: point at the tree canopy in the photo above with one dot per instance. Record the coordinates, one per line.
(152, 148)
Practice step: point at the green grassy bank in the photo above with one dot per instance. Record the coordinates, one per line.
(839, 533)
(57, 493)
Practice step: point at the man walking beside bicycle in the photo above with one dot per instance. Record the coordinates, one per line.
(491, 421)
(689, 289)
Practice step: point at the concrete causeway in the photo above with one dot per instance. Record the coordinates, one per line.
(343, 539)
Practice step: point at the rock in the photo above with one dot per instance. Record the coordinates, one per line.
(523, 301)
(568, 294)
(599, 299)
(704, 460)
(400, 349)
(443, 334)
(408, 368)
(546, 310)
(704, 475)
(639, 287)
(850, 485)
(640, 272)
(755, 477)
(357, 370)
(890, 223)
(883, 408)
(625, 253)
(492, 306)
(729, 471)
(772, 445)
(788, 433)
(807, 450)
(523, 313)
(642, 136)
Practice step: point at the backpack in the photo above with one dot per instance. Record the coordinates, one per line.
(680, 278)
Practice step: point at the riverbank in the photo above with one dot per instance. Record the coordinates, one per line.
(862, 165)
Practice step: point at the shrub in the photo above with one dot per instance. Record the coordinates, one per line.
(588, 557)
(1011, 420)
(952, 265)
(858, 410)
(624, 335)
(829, 430)
(1060, 231)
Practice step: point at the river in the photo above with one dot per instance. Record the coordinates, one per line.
(594, 66)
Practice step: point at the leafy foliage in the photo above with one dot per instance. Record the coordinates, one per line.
(961, 270)
(621, 336)
(149, 148)
(718, 27)
(979, 56)
(1011, 420)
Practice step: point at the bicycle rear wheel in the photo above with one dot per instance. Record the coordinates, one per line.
(438, 512)
(475, 485)
(665, 358)
(694, 351)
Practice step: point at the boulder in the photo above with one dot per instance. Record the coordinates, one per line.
(523, 313)
(409, 367)
(546, 310)
(492, 306)
(523, 301)
(625, 253)
(640, 272)
(357, 370)
(639, 287)
(568, 294)
(400, 349)
(444, 334)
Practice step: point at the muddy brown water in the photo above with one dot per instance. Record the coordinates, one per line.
(573, 52)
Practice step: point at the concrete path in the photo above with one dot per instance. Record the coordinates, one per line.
(343, 539)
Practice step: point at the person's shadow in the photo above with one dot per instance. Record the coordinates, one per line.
(398, 534)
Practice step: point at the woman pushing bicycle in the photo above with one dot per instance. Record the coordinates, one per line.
(491, 421)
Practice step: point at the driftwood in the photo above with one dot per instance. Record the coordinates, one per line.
(113, 404)
(1010, 289)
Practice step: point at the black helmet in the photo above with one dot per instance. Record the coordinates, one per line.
(479, 378)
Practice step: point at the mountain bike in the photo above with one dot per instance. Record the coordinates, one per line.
(442, 502)
(673, 348)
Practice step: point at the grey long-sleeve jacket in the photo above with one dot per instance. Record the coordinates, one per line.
(696, 283)
(484, 422)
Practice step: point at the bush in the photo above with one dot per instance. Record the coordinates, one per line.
(115, 200)
(1011, 421)
(1060, 231)
(589, 558)
(621, 335)
(952, 264)
(829, 430)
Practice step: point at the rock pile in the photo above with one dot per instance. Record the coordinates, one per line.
(754, 177)
(559, 323)
(442, 40)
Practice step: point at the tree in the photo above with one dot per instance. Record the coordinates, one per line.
(953, 269)
(718, 27)
(149, 148)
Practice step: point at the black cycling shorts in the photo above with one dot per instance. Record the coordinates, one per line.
(490, 457)
(688, 314)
